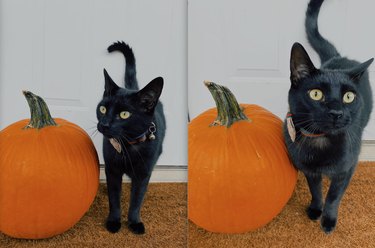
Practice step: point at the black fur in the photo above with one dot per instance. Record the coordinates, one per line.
(324, 48)
(130, 69)
(335, 154)
(135, 160)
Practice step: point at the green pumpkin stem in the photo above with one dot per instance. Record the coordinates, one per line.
(228, 109)
(40, 115)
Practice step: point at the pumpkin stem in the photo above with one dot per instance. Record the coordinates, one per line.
(40, 115)
(228, 109)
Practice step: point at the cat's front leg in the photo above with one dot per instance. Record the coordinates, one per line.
(138, 191)
(114, 183)
(314, 211)
(335, 193)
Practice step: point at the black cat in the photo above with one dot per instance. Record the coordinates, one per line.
(329, 107)
(133, 124)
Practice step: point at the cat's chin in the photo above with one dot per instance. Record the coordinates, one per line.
(107, 135)
(335, 128)
(335, 132)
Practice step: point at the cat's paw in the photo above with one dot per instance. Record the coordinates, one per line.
(313, 213)
(136, 228)
(113, 226)
(328, 224)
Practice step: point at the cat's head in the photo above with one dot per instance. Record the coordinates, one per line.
(124, 113)
(324, 101)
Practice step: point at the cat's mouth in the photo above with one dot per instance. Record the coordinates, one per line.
(334, 127)
(107, 135)
(327, 127)
(106, 132)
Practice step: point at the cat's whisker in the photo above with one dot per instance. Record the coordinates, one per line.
(90, 129)
(94, 134)
(302, 113)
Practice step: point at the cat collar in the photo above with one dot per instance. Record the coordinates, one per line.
(140, 139)
(304, 132)
(143, 137)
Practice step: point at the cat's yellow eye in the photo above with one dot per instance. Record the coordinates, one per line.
(316, 94)
(125, 115)
(102, 109)
(348, 97)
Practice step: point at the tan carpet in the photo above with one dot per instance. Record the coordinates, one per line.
(164, 215)
(292, 228)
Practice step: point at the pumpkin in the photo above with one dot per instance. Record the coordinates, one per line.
(239, 173)
(49, 174)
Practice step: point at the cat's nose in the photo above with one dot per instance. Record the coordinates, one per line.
(335, 114)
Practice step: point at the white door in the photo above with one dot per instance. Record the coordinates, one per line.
(57, 49)
(245, 45)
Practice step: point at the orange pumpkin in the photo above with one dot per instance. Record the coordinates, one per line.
(239, 173)
(49, 174)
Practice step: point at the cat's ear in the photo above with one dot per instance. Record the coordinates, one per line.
(149, 95)
(110, 87)
(300, 64)
(356, 73)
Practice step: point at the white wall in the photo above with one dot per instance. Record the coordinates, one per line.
(245, 45)
(57, 49)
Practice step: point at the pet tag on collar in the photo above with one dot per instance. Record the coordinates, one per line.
(115, 144)
(151, 136)
(291, 128)
(152, 130)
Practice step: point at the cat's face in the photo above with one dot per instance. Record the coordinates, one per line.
(124, 113)
(323, 101)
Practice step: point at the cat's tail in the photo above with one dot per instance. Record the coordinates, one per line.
(130, 70)
(323, 47)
